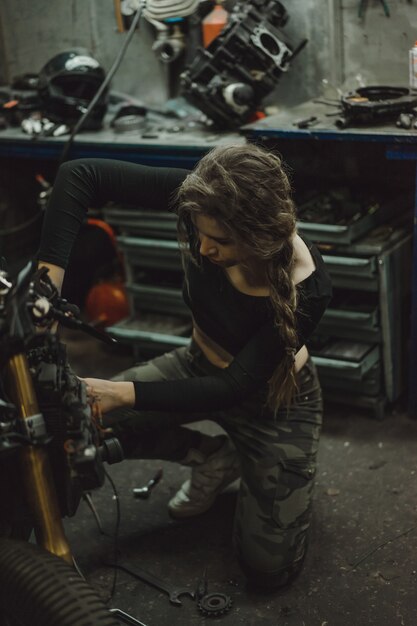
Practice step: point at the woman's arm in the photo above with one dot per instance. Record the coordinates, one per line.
(122, 394)
(56, 274)
(110, 394)
(84, 183)
(249, 370)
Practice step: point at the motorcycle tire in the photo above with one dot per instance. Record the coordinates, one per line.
(39, 588)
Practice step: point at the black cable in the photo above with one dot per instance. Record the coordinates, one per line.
(22, 226)
(103, 86)
(115, 535)
(77, 569)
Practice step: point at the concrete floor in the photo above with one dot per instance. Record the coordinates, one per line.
(361, 567)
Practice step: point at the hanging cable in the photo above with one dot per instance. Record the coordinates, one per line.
(15, 229)
(115, 535)
(103, 86)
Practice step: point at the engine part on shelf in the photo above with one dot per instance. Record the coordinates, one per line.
(228, 80)
(129, 124)
(215, 604)
(373, 104)
(405, 120)
(129, 117)
(169, 43)
(17, 103)
(167, 18)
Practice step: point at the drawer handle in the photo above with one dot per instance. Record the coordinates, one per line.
(325, 228)
(142, 242)
(333, 314)
(346, 261)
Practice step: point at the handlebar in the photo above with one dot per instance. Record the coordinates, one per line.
(32, 300)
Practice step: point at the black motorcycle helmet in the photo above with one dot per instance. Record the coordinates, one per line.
(67, 84)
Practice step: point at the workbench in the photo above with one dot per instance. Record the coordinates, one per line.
(165, 148)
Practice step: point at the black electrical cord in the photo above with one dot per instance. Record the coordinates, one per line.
(103, 86)
(115, 535)
(16, 229)
(115, 538)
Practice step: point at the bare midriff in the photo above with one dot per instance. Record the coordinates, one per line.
(222, 359)
(212, 351)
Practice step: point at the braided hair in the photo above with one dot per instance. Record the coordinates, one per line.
(246, 189)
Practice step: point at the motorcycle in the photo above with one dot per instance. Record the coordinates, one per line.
(52, 453)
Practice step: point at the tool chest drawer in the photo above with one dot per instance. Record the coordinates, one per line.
(163, 299)
(353, 315)
(334, 233)
(370, 308)
(346, 359)
(142, 223)
(369, 385)
(162, 278)
(160, 320)
(338, 216)
(352, 272)
(152, 253)
(152, 333)
(368, 393)
(341, 320)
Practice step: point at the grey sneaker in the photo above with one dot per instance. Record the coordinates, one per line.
(209, 476)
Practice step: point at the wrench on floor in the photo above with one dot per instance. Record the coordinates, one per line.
(154, 581)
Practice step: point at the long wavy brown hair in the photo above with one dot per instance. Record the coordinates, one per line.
(247, 190)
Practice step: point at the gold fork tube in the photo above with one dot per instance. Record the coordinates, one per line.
(36, 469)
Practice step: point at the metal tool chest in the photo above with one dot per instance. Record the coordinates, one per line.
(359, 347)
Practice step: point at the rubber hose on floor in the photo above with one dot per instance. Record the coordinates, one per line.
(37, 587)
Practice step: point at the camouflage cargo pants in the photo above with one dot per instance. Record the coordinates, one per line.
(277, 457)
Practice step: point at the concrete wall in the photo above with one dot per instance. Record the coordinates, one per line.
(341, 45)
(35, 30)
(377, 46)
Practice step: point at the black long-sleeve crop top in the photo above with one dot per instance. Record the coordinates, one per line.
(242, 324)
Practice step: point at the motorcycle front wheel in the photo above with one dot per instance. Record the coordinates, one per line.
(37, 587)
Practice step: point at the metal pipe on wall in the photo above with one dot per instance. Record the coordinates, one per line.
(336, 43)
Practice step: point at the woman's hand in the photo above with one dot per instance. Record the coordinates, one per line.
(110, 394)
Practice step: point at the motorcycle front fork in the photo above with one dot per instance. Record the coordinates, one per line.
(35, 466)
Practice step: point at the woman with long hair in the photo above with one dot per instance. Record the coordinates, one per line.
(256, 291)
